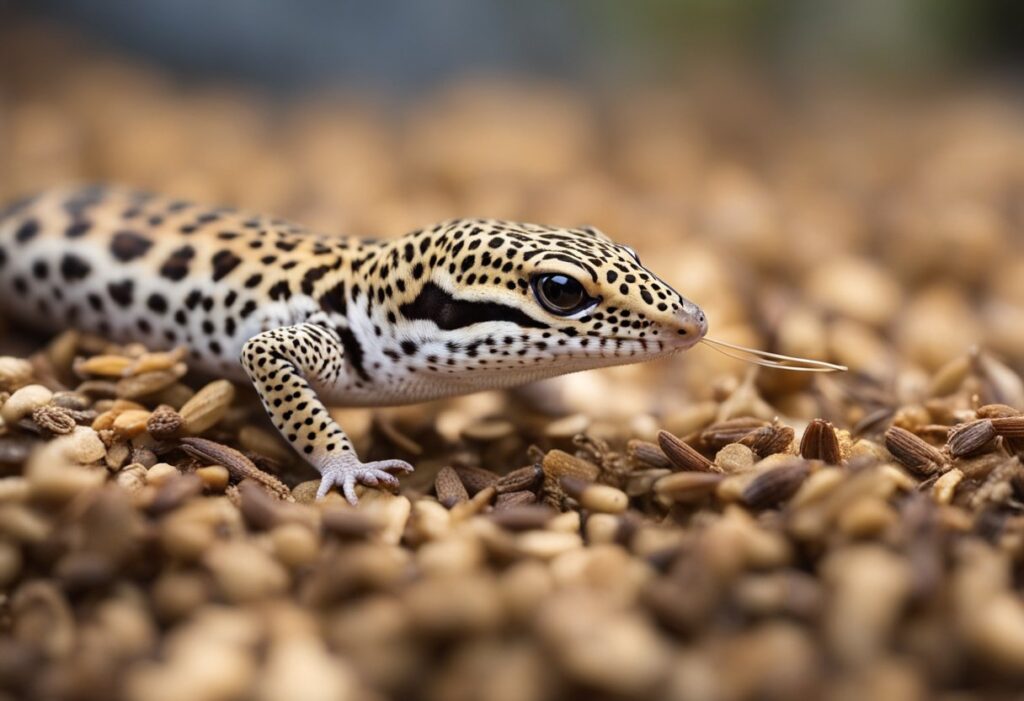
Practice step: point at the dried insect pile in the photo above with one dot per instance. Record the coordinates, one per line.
(157, 543)
(682, 530)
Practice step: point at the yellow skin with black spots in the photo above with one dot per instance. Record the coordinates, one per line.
(455, 308)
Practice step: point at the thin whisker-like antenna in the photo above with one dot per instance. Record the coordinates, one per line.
(776, 361)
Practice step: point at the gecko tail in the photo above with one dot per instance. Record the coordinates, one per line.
(775, 361)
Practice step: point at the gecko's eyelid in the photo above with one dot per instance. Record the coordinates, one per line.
(630, 251)
(776, 361)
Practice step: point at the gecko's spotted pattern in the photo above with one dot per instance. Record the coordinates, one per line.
(457, 307)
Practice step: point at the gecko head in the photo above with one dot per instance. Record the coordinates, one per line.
(520, 295)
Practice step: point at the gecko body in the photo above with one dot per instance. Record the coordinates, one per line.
(309, 319)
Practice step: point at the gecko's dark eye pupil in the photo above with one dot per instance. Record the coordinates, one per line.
(560, 294)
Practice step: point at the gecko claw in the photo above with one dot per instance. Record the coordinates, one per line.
(347, 475)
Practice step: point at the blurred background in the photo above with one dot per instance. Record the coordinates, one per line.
(828, 179)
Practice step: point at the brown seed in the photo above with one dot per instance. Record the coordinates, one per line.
(912, 452)
(945, 486)
(148, 383)
(479, 501)
(15, 449)
(174, 492)
(348, 523)
(23, 402)
(820, 442)
(603, 499)
(687, 486)
(207, 407)
(510, 500)
(573, 486)
(769, 440)
(996, 411)
(735, 459)
(103, 365)
(164, 423)
(475, 478)
(449, 488)
(71, 401)
(1009, 426)
(153, 361)
(132, 477)
(214, 477)
(558, 464)
(647, 455)
(642, 481)
(14, 373)
(524, 478)
(523, 517)
(775, 485)
(238, 465)
(130, 423)
(97, 388)
(261, 509)
(682, 455)
(118, 454)
(54, 419)
(143, 455)
(161, 473)
(971, 437)
(723, 433)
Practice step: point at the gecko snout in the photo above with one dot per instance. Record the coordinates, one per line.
(691, 323)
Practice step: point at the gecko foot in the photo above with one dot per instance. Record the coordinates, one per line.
(347, 474)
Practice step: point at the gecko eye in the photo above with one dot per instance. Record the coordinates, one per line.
(560, 294)
(633, 253)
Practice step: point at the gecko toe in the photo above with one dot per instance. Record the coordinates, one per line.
(371, 474)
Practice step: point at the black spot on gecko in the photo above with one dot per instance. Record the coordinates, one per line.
(334, 299)
(157, 303)
(122, 292)
(27, 231)
(77, 229)
(176, 266)
(74, 268)
(223, 263)
(40, 270)
(129, 245)
(311, 276)
(353, 352)
(280, 290)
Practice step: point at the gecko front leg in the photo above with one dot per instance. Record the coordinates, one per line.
(284, 364)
